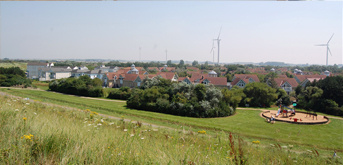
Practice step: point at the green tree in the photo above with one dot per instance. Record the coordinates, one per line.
(200, 91)
(234, 96)
(310, 98)
(195, 63)
(259, 94)
(182, 63)
(96, 82)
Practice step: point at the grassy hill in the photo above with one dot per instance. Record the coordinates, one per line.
(36, 133)
(21, 65)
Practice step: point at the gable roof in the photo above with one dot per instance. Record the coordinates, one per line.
(130, 77)
(247, 76)
(301, 78)
(291, 81)
(216, 80)
(166, 75)
(110, 75)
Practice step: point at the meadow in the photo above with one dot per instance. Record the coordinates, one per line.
(36, 133)
(245, 123)
(21, 65)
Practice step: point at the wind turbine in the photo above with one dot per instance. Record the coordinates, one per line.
(140, 49)
(212, 50)
(166, 56)
(327, 49)
(218, 42)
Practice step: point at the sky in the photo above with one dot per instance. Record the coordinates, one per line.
(251, 31)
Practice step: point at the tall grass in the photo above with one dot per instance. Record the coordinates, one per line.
(245, 123)
(32, 133)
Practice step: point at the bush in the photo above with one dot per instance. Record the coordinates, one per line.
(337, 111)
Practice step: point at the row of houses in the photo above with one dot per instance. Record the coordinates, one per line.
(133, 76)
(288, 84)
(121, 77)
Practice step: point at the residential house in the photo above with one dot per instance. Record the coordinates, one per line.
(304, 79)
(241, 80)
(167, 69)
(33, 67)
(53, 73)
(288, 84)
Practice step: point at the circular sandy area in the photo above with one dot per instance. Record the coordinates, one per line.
(298, 118)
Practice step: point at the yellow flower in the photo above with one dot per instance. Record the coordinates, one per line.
(202, 132)
(24, 118)
(256, 142)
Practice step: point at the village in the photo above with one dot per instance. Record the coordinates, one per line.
(116, 77)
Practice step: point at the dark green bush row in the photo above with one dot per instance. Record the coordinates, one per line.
(82, 86)
(159, 95)
(123, 93)
(13, 76)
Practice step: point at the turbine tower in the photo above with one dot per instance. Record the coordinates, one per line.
(218, 42)
(327, 49)
(166, 56)
(212, 50)
(140, 49)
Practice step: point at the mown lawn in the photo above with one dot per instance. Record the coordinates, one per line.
(245, 123)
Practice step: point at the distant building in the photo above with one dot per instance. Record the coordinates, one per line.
(47, 74)
(33, 67)
(241, 80)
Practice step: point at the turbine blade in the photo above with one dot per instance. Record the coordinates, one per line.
(329, 50)
(219, 32)
(330, 38)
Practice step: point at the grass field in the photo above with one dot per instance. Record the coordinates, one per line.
(34, 133)
(245, 123)
(21, 65)
(41, 85)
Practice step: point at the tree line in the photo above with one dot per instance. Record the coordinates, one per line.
(13, 76)
(322, 96)
(82, 86)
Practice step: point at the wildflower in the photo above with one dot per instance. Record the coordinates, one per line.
(132, 135)
(256, 142)
(142, 138)
(99, 124)
(125, 130)
(284, 146)
(27, 103)
(24, 118)
(155, 130)
(111, 123)
(202, 132)
(102, 120)
(35, 113)
(16, 110)
(27, 137)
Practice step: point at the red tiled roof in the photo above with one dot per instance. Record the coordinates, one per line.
(110, 75)
(217, 80)
(181, 78)
(166, 75)
(303, 77)
(130, 77)
(247, 76)
(153, 68)
(291, 81)
(282, 76)
(235, 81)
